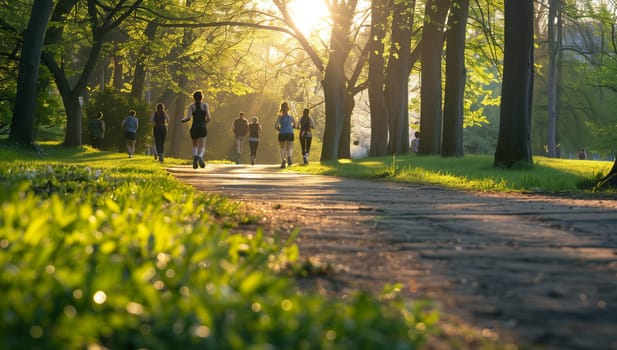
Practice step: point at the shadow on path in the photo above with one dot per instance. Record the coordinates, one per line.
(539, 270)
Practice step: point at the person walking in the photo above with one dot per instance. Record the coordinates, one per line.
(130, 125)
(415, 143)
(285, 124)
(96, 130)
(582, 155)
(240, 128)
(160, 118)
(199, 111)
(306, 135)
(254, 133)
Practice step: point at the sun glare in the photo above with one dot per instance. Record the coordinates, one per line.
(309, 15)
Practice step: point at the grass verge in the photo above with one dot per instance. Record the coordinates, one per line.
(472, 172)
(104, 252)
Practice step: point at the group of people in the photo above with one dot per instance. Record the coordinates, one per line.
(285, 124)
(286, 136)
(199, 113)
(130, 124)
(241, 129)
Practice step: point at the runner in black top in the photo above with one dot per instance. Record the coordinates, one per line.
(200, 113)
(306, 135)
(160, 120)
(254, 132)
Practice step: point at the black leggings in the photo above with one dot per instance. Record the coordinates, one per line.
(305, 142)
(160, 132)
(253, 145)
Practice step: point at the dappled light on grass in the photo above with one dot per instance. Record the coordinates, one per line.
(472, 172)
(371, 164)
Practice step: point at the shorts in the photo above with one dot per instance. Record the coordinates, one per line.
(130, 135)
(240, 138)
(286, 137)
(198, 131)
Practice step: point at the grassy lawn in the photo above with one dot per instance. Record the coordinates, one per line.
(100, 251)
(472, 172)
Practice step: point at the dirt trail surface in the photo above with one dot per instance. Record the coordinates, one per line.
(536, 270)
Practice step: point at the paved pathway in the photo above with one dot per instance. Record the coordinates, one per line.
(536, 270)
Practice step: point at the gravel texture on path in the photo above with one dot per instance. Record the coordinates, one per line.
(536, 270)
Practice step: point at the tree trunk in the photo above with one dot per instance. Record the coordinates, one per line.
(74, 95)
(344, 147)
(513, 143)
(553, 51)
(452, 143)
(70, 95)
(177, 130)
(397, 77)
(377, 102)
(334, 92)
(118, 77)
(430, 90)
(102, 86)
(334, 82)
(22, 125)
(139, 75)
(70, 99)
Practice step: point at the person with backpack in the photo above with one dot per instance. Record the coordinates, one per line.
(200, 113)
(240, 129)
(96, 130)
(306, 135)
(130, 125)
(285, 124)
(160, 118)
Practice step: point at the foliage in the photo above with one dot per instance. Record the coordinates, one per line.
(472, 172)
(115, 107)
(484, 57)
(587, 96)
(15, 15)
(102, 251)
(481, 139)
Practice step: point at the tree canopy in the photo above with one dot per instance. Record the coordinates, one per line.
(251, 55)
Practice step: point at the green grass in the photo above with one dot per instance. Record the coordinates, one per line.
(101, 251)
(472, 173)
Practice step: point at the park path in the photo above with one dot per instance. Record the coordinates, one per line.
(531, 269)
